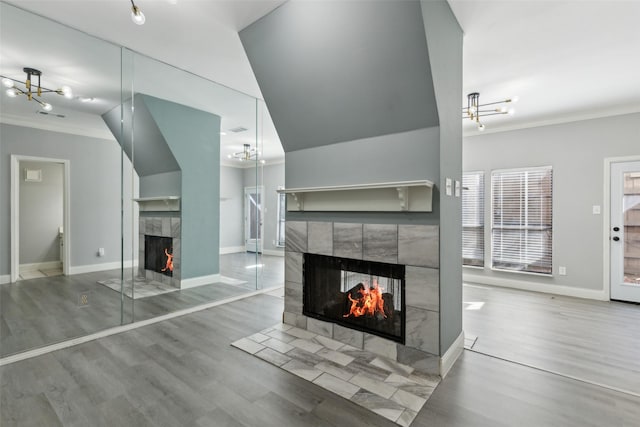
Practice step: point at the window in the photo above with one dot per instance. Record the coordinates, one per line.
(282, 208)
(473, 219)
(521, 211)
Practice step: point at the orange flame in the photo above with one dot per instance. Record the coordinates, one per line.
(369, 302)
(169, 265)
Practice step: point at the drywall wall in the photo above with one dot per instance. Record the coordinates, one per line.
(162, 184)
(41, 212)
(193, 137)
(95, 166)
(576, 151)
(412, 155)
(231, 207)
(270, 177)
(444, 39)
(341, 71)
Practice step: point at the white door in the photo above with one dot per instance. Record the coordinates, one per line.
(625, 231)
(253, 219)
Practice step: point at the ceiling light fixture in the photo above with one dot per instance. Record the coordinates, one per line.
(474, 110)
(31, 90)
(247, 153)
(136, 14)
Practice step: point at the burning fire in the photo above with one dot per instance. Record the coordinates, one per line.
(169, 265)
(369, 302)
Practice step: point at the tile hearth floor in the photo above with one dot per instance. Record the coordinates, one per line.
(386, 387)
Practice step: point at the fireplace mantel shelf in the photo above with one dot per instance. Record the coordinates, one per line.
(407, 196)
(159, 204)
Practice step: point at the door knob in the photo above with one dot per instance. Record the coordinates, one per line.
(616, 238)
(616, 228)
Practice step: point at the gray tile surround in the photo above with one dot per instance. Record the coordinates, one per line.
(164, 227)
(415, 246)
(347, 240)
(380, 243)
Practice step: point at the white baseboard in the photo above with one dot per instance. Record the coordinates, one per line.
(5, 278)
(568, 291)
(200, 281)
(451, 355)
(273, 252)
(48, 265)
(92, 268)
(232, 250)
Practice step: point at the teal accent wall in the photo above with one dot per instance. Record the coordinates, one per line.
(194, 139)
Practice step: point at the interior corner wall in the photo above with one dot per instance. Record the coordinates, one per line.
(41, 213)
(577, 152)
(95, 191)
(444, 41)
(406, 156)
(231, 207)
(194, 139)
(270, 177)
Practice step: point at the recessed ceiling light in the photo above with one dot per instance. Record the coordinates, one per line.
(223, 133)
(86, 98)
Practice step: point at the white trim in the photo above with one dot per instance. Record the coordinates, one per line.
(199, 281)
(92, 268)
(536, 287)
(232, 250)
(606, 220)
(5, 278)
(619, 111)
(273, 252)
(124, 328)
(15, 211)
(451, 355)
(49, 265)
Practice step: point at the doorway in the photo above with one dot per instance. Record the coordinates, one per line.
(624, 231)
(37, 173)
(253, 219)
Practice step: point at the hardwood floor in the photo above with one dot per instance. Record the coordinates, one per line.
(43, 311)
(184, 372)
(597, 341)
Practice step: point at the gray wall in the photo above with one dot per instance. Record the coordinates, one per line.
(576, 151)
(444, 39)
(41, 213)
(270, 177)
(342, 71)
(231, 207)
(95, 190)
(161, 184)
(194, 139)
(412, 155)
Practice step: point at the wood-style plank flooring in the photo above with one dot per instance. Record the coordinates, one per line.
(184, 372)
(42, 311)
(597, 341)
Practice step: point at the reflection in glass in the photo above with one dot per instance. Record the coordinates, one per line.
(631, 209)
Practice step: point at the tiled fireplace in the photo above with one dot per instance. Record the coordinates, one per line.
(159, 249)
(357, 261)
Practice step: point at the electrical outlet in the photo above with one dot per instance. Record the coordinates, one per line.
(562, 271)
(100, 251)
(596, 209)
(83, 299)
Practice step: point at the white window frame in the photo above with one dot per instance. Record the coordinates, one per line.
(491, 213)
(483, 210)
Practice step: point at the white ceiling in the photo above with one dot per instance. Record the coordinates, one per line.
(566, 60)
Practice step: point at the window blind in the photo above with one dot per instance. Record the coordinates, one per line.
(522, 213)
(473, 219)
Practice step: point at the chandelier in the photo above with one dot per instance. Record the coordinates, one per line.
(247, 153)
(33, 91)
(474, 109)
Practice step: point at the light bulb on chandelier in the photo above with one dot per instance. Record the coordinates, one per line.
(136, 14)
(33, 90)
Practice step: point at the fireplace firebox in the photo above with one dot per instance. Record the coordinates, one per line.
(363, 295)
(158, 254)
